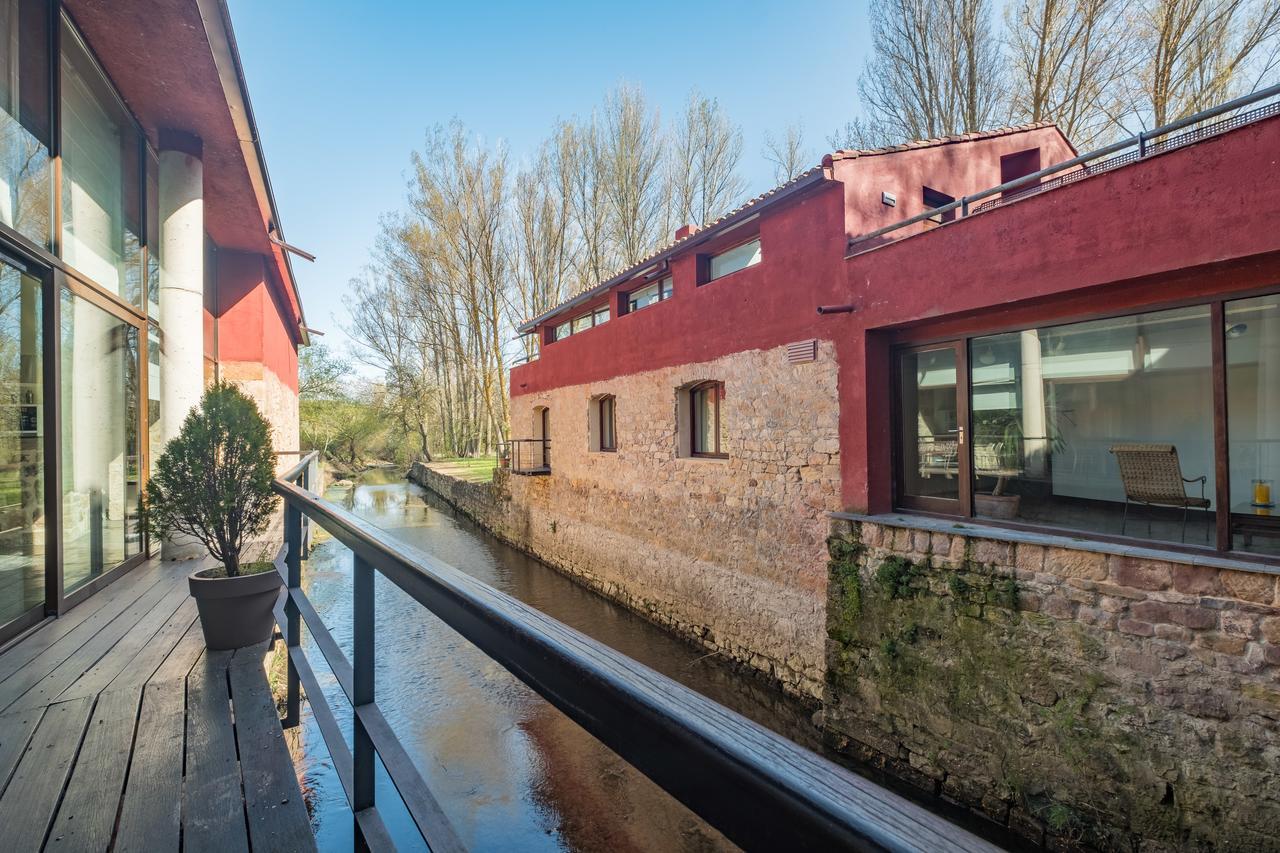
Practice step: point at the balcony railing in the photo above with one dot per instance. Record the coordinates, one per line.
(1104, 159)
(758, 788)
(527, 455)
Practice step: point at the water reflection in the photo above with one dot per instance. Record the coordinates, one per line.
(510, 770)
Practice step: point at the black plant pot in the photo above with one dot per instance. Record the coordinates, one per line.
(235, 612)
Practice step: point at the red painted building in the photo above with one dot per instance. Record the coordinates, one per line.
(1024, 469)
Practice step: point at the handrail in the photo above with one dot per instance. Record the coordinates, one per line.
(758, 788)
(1140, 140)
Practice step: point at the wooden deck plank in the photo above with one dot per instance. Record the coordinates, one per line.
(32, 686)
(142, 636)
(137, 672)
(182, 658)
(15, 733)
(150, 814)
(87, 817)
(28, 804)
(213, 817)
(277, 814)
(68, 632)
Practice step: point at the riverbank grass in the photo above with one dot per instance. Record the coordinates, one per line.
(473, 469)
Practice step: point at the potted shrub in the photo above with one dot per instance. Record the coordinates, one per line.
(213, 484)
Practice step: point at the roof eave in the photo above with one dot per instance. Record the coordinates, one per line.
(222, 42)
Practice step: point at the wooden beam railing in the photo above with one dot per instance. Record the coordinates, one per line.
(758, 788)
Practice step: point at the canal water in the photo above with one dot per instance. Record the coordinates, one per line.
(511, 771)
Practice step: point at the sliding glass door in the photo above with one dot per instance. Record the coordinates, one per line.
(931, 418)
(101, 477)
(22, 510)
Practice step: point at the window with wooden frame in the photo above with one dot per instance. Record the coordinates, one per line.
(1160, 425)
(606, 411)
(706, 422)
(596, 317)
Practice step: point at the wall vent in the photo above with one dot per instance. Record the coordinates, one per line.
(802, 351)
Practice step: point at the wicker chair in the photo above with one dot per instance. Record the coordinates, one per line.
(1152, 476)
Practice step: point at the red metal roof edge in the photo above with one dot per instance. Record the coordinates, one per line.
(850, 154)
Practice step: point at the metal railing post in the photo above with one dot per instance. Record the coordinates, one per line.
(362, 684)
(293, 580)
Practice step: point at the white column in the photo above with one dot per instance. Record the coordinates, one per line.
(181, 287)
(181, 303)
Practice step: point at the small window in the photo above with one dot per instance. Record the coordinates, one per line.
(1017, 165)
(608, 433)
(737, 258)
(646, 296)
(934, 199)
(706, 436)
(581, 324)
(563, 331)
(601, 315)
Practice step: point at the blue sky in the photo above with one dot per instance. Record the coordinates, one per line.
(342, 98)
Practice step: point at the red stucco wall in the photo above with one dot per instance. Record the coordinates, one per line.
(252, 322)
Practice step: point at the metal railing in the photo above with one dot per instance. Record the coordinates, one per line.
(1145, 144)
(758, 788)
(527, 455)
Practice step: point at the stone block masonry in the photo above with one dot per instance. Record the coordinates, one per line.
(1086, 700)
(726, 552)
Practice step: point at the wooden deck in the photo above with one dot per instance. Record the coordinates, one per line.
(119, 731)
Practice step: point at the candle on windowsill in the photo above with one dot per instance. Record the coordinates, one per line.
(1261, 492)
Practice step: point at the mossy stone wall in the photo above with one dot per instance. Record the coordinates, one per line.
(1085, 701)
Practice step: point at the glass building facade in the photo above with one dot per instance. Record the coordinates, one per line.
(79, 304)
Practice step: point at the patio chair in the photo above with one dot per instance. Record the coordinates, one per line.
(1152, 476)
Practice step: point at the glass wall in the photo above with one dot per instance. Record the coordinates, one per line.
(1104, 426)
(1253, 421)
(101, 182)
(25, 188)
(99, 396)
(22, 584)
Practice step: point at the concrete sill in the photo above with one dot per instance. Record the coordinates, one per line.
(979, 530)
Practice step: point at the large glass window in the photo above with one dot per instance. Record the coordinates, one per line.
(1104, 426)
(732, 260)
(1253, 421)
(101, 184)
(100, 477)
(21, 450)
(646, 296)
(25, 188)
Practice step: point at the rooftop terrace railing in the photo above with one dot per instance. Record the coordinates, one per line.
(1135, 148)
(758, 788)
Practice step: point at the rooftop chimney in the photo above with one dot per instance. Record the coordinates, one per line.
(686, 231)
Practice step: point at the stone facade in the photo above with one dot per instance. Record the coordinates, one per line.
(276, 400)
(1083, 698)
(728, 552)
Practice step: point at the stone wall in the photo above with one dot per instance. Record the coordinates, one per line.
(728, 552)
(1090, 699)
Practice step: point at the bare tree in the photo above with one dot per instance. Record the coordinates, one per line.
(632, 152)
(936, 70)
(1067, 61)
(706, 149)
(1196, 53)
(787, 153)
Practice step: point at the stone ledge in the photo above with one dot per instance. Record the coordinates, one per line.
(1006, 534)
